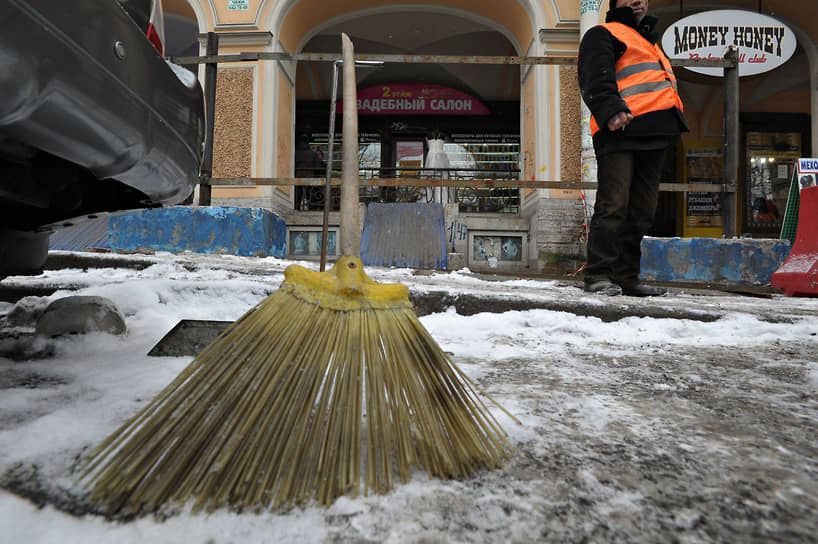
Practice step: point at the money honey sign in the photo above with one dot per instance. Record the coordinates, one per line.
(764, 43)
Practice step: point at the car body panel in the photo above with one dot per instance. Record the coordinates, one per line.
(81, 81)
(92, 117)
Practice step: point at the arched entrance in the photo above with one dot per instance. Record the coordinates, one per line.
(272, 92)
(481, 128)
(306, 25)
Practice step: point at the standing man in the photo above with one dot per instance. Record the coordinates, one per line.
(629, 87)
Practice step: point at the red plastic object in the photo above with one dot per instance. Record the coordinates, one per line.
(798, 276)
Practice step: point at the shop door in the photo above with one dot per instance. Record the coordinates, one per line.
(771, 159)
(772, 145)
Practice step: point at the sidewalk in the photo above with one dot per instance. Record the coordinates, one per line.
(685, 418)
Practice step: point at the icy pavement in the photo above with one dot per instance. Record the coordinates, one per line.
(688, 418)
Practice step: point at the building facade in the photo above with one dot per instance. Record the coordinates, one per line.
(498, 121)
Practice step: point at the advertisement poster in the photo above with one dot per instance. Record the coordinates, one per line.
(704, 163)
(807, 173)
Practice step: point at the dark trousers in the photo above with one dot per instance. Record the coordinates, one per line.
(626, 199)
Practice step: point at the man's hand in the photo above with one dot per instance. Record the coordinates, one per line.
(619, 120)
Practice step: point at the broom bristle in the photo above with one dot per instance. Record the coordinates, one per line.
(280, 408)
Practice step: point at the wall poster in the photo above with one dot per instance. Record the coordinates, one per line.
(704, 163)
(807, 173)
(238, 5)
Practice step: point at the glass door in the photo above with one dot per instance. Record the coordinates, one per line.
(770, 161)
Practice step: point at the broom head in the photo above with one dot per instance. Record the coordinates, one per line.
(329, 381)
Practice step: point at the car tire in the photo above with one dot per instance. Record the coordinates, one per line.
(22, 252)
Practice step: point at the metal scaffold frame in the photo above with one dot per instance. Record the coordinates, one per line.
(731, 126)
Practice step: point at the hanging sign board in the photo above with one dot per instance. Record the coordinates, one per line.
(416, 98)
(764, 43)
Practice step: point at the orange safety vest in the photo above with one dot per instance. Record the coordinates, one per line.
(643, 74)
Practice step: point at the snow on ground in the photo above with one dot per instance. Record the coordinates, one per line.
(640, 429)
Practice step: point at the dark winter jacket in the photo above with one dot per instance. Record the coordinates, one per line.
(598, 54)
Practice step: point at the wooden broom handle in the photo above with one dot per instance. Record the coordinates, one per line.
(350, 226)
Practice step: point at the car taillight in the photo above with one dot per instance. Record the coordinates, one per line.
(155, 39)
(156, 27)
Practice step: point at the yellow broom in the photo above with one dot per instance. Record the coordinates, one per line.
(272, 413)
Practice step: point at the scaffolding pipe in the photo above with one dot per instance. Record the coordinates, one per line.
(211, 74)
(328, 181)
(731, 141)
(569, 60)
(465, 183)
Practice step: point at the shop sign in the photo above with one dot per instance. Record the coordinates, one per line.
(417, 99)
(807, 173)
(764, 43)
(237, 5)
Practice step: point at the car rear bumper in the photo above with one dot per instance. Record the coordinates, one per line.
(80, 81)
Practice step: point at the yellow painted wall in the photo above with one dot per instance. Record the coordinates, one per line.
(284, 135)
(226, 16)
(528, 143)
(309, 13)
(236, 192)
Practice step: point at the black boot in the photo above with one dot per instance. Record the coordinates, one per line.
(603, 287)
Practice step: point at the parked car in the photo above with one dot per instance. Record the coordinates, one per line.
(93, 119)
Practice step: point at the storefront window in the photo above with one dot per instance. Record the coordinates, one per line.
(486, 156)
(369, 164)
(470, 156)
(771, 157)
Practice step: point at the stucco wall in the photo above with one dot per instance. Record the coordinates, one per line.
(284, 136)
(233, 129)
(306, 14)
(571, 136)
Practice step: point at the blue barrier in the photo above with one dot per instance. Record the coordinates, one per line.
(743, 261)
(225, 230)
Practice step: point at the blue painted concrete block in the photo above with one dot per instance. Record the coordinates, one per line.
(743, 261)
(221, 229)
